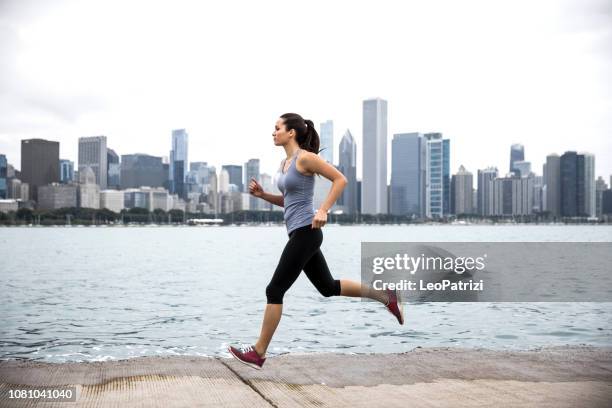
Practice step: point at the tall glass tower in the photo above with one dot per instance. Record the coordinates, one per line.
(348, 166)
(437, 179)
(517, 153)
(93, 154)
(327, 141)
(408, 174)
(374, 172)
(179, 159)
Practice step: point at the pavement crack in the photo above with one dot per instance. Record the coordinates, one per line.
(248, 382)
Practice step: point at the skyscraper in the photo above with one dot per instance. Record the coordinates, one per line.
(179, 158)
(463, 185)
(517, 153)
(552, 181)
(577, 184)
(39, 164)
(522, 168)
(437, 178)
(139, 170)
(408, 173)
(235, 175)
(113, 169)
(223, 181)
(485, 191)
(88, 192)
(66, 171)
(446, 197)
(374, 177)
(589, 185)
(18, 190)
(3, 171)
(348, 166)
(327, 141)
(212, 197)
(251, 170)
(600, 187)
(568, 167)
(93, 154)
(512, 195)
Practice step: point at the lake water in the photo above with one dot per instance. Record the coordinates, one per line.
(94, 294)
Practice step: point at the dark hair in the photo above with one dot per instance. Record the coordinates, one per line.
(307, 137)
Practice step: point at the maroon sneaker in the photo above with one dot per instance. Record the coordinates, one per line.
(247, 355)
(395, 305)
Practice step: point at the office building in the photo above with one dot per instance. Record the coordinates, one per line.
(179, 159)
(437, 176)
(512, 195)
(93, 154)
(113, 170)
(251, 170)
(66, 171)
(485, 191)
(462, 188)
(408, 172)
(3, 177)
(552, 182)
(374, 177)
(517, 153)
(55, 195)
(577, 184)
(113, 200)
(347, 165)
(18, 190)
(600, 187)
(327, 141)
(522, 168)
(39, 164)
(235, 175)
(139, 170)
(89, 191)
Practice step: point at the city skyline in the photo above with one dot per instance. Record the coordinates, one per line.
(421, 182)
(487, 86)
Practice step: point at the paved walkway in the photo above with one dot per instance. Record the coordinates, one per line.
(433, 377)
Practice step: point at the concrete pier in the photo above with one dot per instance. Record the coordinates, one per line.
(424, 377)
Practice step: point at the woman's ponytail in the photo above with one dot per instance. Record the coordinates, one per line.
(311, 140)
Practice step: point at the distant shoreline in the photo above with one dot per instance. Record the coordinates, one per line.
(425, 224)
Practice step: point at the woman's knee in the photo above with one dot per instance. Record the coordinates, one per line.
(274, 294)
(332, 289)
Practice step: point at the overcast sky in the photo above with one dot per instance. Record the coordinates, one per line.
(484, 73)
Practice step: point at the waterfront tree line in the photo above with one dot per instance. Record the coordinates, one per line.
(90, 216)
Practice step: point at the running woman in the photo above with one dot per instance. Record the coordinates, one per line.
(295, 179)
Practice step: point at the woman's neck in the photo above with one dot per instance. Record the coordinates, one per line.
(291, 150)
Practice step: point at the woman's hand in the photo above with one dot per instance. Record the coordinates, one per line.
(319, 219)
(255, 188)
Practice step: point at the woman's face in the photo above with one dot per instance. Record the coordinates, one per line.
(281, 136)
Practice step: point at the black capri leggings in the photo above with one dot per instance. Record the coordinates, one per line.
(302, 252)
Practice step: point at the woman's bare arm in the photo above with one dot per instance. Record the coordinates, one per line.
(274, 199)
(256, 190)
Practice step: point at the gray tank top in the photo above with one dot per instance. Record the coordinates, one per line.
(298, 191)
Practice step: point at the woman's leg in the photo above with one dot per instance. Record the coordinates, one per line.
(272, 317)
(317, 271)
(300, 247)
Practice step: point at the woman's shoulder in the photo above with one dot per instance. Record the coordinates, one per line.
(305, 161)
(305, 158)
(306, 155)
